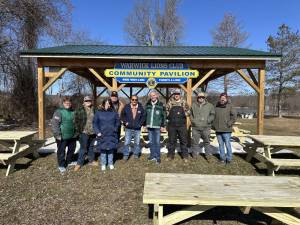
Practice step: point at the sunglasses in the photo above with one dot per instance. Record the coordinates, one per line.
(87, 101)
(200, 97)
(134, 100)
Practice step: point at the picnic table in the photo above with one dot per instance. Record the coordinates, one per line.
(17, 144)
(272, 144)
(199, 193)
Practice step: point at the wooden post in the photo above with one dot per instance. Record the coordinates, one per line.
(41, 107)
(261, 101)
(114, 85)
(94, 95)
(189, 95)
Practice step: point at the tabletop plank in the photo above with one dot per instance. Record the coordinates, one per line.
(221, 190)
(270, 140)
(15, 135)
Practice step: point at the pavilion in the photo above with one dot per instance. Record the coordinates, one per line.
(91, 61)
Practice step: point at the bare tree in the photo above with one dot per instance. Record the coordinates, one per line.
(24, 24)
(284, 76)
(146, 25)
(229, 33)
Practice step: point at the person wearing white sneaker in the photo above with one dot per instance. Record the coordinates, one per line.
(106, 123)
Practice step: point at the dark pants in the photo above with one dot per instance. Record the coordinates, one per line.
(61, 148)
(175, 132)
(86, 146)
(204, 134)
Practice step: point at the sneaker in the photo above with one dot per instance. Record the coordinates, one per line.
(94, 163)
(74, 163)
(151, 159)
(222, 161)
(62, 169)
(228, 161)
(103, 167)
(111, 167)
(136, 156)
(194, 155)
(185, 160)
(157, 161)
(77, 168)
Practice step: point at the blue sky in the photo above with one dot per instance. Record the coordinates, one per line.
(104, 19)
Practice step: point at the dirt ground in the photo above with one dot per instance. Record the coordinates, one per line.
(37, 194)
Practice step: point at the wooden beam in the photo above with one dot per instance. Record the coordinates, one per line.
(139, 91)
(100, 78)
(261, 101)
(189, 95)
(120, 87)
(183, 87)
(125, 93)
(102, 92)
(41, 107)
(53, 79)
(207, 75)
(252, 76)
(247, 79)
(279, 215)
(114, 84)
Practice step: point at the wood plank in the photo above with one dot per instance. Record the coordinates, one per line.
(221, 190)
(203, 79)
(285, 162)
(16, 135)
(274, 140)
(100, 78)
(185, 213)
(41, 96)
(54, 78)
(252, 76)
(247, 79)
(279, 215)
(261, 101)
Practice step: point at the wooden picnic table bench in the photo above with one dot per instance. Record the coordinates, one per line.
(272, 144)
(200, 193)
(17, 144)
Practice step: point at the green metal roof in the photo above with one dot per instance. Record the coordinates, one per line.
(114, 51)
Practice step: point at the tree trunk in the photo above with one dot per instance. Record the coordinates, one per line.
(279, 103)
(225, 84)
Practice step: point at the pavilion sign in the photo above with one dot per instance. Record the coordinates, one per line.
(158, 72)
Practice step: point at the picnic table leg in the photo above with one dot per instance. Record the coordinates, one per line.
(271, 169)
(158, 214)
(11, 165)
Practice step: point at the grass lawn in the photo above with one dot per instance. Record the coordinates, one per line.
(37, 194)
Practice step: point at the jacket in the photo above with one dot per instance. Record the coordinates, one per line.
(81, 118)
(127, 117)
(225, 117)
(177, 111)
(62, 124)
(119, 108)
(155, 115)
(106, 123)
(202, 116)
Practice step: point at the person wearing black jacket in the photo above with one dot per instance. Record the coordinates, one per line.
(133, 117)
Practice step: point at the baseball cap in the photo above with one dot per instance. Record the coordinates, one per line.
(87, 98)
(176, 91)
(201, 94)
(114, 94)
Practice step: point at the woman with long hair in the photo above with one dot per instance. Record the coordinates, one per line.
(106, 123)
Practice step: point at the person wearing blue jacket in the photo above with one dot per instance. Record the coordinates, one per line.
(106, 123)
(133, 117)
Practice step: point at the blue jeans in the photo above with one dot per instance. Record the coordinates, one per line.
(86, 146)
(106, 159)
(154, 142)
(136, 134)
(224, 138)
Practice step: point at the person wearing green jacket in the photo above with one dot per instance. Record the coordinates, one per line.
(155, 122)
(223, 122)
(202, 115)
(63, 129)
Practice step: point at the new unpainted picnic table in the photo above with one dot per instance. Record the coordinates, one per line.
(199, 193)
(17, 144)
(272, 144)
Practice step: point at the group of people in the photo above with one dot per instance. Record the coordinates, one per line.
(98, 130)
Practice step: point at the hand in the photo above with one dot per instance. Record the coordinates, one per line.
(162, 129)
(58, 137)
(126, 124)
(99, 135)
